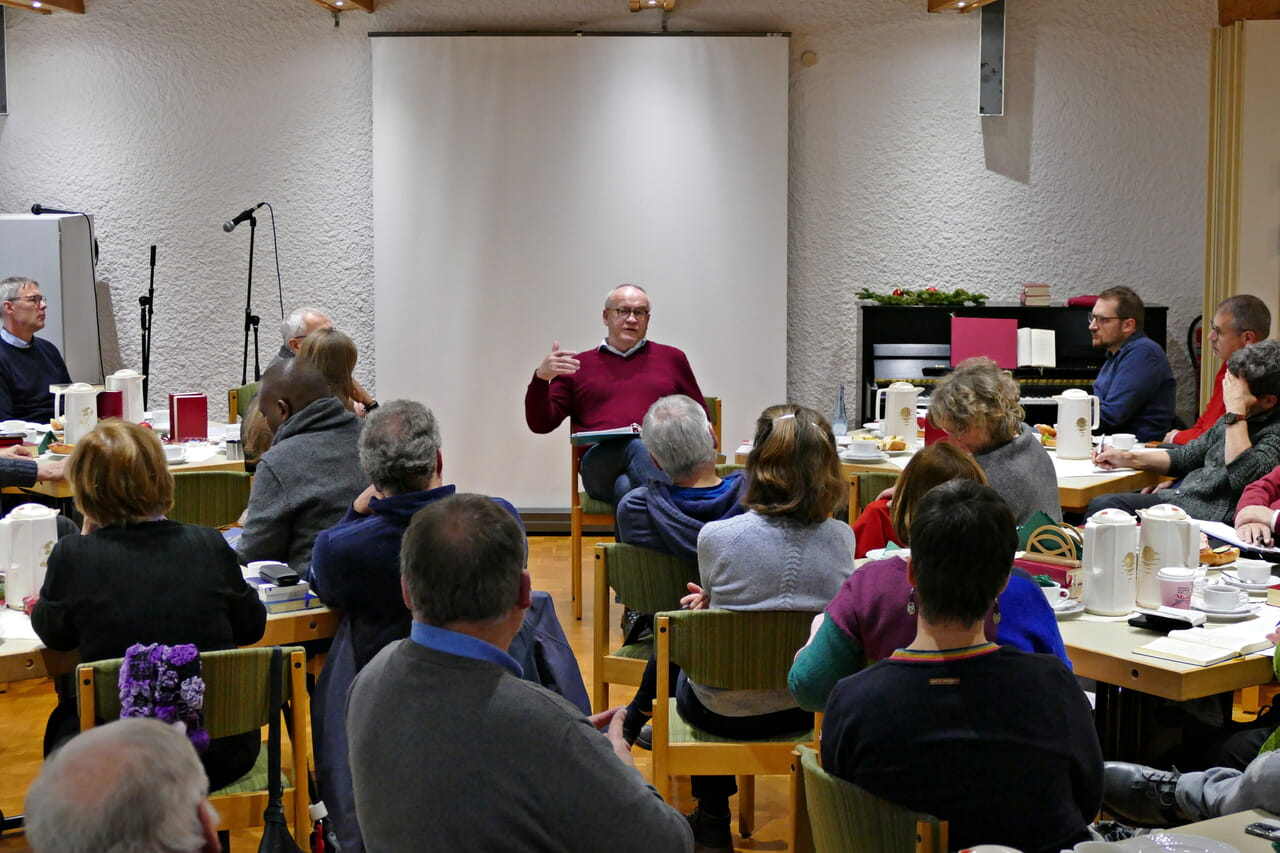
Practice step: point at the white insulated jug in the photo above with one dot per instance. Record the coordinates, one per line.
(130, 382)
(1077, 419)
(77, 405)
(1109, 562)
(1167, 536)
(27, 536)
(896, 411)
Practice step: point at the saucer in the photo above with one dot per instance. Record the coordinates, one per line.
(1069, 610)
(1181, 842)
(179, 461)
(1234, 580)
(1247, 611)
(898, 452)
(881, 456)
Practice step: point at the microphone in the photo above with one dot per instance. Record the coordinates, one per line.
(230, 224)
(38, 209)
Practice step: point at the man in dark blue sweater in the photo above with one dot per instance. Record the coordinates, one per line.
(28, 365)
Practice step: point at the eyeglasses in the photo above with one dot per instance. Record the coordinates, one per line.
(37, 299)
(623, 313)
(1097, 318)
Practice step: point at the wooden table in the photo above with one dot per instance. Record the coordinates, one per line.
(61, 489)
(1230, 829)
(23, 659)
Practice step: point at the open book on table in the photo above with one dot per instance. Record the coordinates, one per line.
(1207, 646)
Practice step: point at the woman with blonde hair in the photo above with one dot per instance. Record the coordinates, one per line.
(137, 577)
(977, 406)
(335, 354)
(785, 552)
(874, 613)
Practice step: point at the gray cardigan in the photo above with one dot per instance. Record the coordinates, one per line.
(303, 484)
(1210, 488)
(1022, 472)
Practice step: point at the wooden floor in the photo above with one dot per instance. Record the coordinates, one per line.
(25, 706)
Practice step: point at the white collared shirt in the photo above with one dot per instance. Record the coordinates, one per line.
(10, 339)
(604, 345)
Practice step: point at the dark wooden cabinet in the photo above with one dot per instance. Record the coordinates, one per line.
(913, 343)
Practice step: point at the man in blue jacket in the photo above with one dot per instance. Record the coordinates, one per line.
(1135, 388)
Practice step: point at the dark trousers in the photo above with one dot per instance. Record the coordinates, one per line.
(612, 468)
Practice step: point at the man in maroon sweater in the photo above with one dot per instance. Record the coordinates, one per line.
(610, 386)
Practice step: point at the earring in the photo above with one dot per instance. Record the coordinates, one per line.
(995, 612)
(911, 602)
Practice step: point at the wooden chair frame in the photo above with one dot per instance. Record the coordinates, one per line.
(240, 810)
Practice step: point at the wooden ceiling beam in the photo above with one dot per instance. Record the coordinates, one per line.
(1230, 11)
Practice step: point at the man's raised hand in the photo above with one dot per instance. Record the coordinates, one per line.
(558, 363)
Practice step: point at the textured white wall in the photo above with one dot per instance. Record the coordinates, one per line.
(165, 117)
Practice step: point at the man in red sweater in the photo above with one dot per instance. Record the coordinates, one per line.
(608, 387)
(1238, 322)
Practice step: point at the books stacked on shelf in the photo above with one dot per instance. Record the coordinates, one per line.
(1035, 294)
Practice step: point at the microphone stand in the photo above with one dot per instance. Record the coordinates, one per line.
(250, 319)
(148, 306)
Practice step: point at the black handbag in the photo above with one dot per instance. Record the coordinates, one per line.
(275, 832)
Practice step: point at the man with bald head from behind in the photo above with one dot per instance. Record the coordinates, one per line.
(311, 473)
(133, 784)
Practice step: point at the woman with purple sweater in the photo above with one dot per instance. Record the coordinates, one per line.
(874, 613)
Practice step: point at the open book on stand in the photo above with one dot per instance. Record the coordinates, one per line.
(1207, 646)
(595, 436)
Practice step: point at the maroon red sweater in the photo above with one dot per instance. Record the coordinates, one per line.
(608, 390)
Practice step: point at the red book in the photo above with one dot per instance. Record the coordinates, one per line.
(188, 417)
(994, 337)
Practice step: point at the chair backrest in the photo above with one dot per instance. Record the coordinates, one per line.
(237, 688)
(845, 818)
(714, 415)
(209, 498)
(864, 487)
(736, 649)
(646, 580)
(238, 401)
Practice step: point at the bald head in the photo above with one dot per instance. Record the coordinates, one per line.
(289, 387)
(136, 782)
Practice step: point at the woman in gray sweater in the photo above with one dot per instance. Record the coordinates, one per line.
(977, 406)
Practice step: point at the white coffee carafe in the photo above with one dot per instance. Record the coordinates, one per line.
(130, 382)
(896, 410)
(1109, 562)
(77, 405)
(1077, 419)
(1166, 537)
(27, 536)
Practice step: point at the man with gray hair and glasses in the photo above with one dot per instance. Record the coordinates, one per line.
(294, 329)
(608, 387)
(133, 784)
(28, 365)
(452, 749)
(1243, 446)
(668, 518)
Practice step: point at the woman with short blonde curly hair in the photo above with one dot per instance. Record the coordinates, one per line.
(138, 577)
(977, 406)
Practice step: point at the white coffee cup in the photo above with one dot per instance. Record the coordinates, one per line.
(1221, 596)
(1123, 440)
(175, 452)
(1056, 594)
(862, 449)
(1253, 571)
(13, 426)
(1176, 583)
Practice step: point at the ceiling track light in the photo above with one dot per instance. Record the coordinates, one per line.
(47, 7)
(346, 5)
(957, 5)
(641, 5)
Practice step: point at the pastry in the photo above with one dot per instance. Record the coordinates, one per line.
(1219, 556)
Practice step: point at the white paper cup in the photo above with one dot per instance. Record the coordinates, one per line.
(1253, 571)
(174, 452)
(1123, 440)
(1221, 596)
(1176, 583)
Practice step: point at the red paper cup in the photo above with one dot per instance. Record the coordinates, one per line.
(110, 404)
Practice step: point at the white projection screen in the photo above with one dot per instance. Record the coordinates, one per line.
(517, 179)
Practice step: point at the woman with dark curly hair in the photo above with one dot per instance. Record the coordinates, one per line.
(137, 577)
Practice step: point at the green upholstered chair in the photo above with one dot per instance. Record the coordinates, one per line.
(236, 700)
(209, 498)
(646, 581)
(864, 487)
(736, 650)
(584, 510)
(835, 816)
(238, 400)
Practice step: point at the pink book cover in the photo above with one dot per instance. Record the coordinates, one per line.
(994, 337)
(188, 417)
